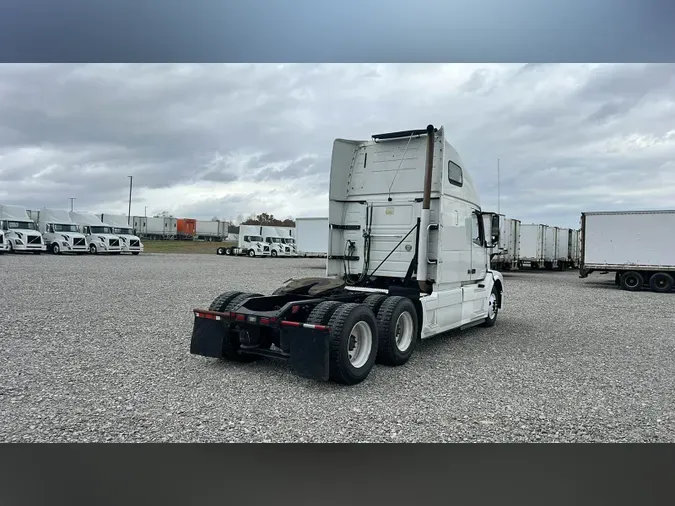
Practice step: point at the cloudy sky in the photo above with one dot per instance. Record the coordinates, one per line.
(229, 140)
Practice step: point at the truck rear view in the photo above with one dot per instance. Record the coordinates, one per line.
(406, 260)
(638, 246)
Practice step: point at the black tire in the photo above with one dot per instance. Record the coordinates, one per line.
(92, 249)
(220, 251)
(661, 282)
(632, 281)
(374, 301)
(493, 308)
(323, 312)
(251, 253)
(341, 325)
(11, 247)
(391, 319)
(227, 302)
(55, 249)
(274, 253)
(228, 251)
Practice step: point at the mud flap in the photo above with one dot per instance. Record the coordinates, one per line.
(207, 337)
(309, 352)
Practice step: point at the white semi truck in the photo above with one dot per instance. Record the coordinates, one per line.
(312, 236)
(129, 241)
(406, 261)
(638, 246)
(276, 242)
(288, 236)
(60, 233)
(251, 243)
(20, 232)
(99, 235)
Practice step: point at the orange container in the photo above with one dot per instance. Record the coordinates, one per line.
(186, 226)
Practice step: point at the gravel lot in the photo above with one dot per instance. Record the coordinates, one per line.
(97, 349)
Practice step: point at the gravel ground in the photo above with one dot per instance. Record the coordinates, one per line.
(96, 349)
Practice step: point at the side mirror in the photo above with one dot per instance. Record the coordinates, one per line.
(495, 229)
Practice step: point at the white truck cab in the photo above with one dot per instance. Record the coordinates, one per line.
(99, 235)
(20, 232)
(130, 242)
(278, 246)
(60, 233)
(251, 243)
(288, 236)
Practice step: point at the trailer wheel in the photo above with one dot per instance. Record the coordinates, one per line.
(374, 301)
(220, 251)
(493, 308)
(323, 312)
(661, 282)
(397, 330)
(353, 343)
(632, 281)
(251, 253)
(227, 302)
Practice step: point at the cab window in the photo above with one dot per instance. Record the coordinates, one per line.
(454, 173)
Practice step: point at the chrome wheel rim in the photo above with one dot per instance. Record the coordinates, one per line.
(360, 344)
(492, 306)
(404, 331)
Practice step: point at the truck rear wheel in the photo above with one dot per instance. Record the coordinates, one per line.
(632, 281)
(397, 330)
(374, 301)
(228, 251)
(353, 343)
(220, 251)
(323, 312)
(231, 345)
(661, 282)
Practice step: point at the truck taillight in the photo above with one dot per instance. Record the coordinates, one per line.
(240, 317)
(264, 321)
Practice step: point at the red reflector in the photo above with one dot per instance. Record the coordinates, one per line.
(291, 324)
(264, 321)
(240, 317)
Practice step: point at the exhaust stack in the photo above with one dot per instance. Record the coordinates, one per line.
(422, 247)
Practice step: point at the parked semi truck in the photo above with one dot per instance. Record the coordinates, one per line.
(638, 246)
(129, 241)
(59, 232)
(251, 243)
(312, 236)
(276, 242)
(288, 235)
(406, 261)
(99, 235)
(20, 232)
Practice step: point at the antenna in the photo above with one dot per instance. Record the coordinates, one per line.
(498, 194)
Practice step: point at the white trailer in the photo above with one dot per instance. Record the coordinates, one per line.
(251, 243)
(531, 245)
(208, 230)
(140, 225)
(312, 236)
(575, 247)
(223, 228)
(130, 242)
(563, 251)
(406, 261)
(20, 232)
(99, 235)
(550, 247)
(59, 232)
(638, 246)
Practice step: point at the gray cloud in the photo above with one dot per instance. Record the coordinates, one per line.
(204, 140)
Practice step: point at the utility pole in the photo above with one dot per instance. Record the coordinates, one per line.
(498, 195)
(131, 180)
(146, 211)
(72, 207)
